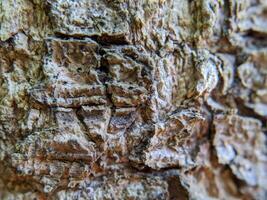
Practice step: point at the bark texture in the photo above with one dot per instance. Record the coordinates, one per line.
(133, 99)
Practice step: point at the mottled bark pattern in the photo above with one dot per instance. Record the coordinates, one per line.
(133, 99)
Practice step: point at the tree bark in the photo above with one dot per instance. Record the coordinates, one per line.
(133, 99)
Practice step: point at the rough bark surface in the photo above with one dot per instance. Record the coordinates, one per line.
(133, 99)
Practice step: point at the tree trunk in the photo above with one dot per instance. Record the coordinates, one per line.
(133, 99)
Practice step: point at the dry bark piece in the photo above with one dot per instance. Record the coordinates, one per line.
(100, 98)
(176, 141)
(241, 144)
(90, 18)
